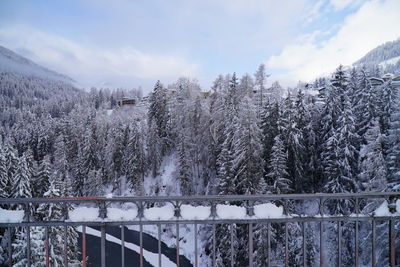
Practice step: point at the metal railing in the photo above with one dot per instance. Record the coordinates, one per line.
(360, 207)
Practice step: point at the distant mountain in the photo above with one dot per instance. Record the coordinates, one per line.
(386, 56)
(11, 62)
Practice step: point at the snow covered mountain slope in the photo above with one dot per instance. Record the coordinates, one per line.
(386, 56)
(11, 62)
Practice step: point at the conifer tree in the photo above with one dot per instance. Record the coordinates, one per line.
(134, 159)
(20, 247)
(22, 181)
(247, 161)
(52, 212)
(372, 165)
(158, 116)
(41, 177)
(277, 178)
(393, 151)
(4, 181)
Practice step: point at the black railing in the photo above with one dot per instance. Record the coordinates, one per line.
(210, 210)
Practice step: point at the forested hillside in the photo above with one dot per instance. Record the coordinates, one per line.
(384, 58)
(240, 137)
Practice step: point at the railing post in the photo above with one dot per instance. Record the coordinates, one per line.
(46, 245)
(83, 246)
(177, 214)
(269, 244)
(9, 247)
(159, 245)
(196, 263)
(122, 246)
(373, 244)
(250, 244)
(304, 243)
(232, 248)
(102, 210)
(286, 246)
(357, 261)
(140, 215)
(392, 233)
(214, 250)
(103, 245)
(321, 234)
(339, 229)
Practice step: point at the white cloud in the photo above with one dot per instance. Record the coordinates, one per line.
(342, 4)
(125, 66)
(374, 23)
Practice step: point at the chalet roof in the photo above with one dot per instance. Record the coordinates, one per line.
(376, 81)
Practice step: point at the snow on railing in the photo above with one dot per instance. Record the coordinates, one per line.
(214, 210)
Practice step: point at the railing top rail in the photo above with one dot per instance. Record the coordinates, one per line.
(206, 198)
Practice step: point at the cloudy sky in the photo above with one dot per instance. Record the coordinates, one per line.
(131, 43)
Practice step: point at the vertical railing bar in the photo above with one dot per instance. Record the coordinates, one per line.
(269, 243)
(141, 244)
(373, 244)
(357, 261)
(321, 244)
(250, 244)
(28, 250)
(28, 235)
(214, 251)
(356, 237)
(232, 253)
(196, 263)
(177, 245)
(65, 215)
(122, 245)
(103, 245)
(321, 233)
(159, 245)
(339, 260)
(392, 245)
(304, 244)
(65, 246)
(84, 246)
(9, 248)
(286, 246)
(46, 246)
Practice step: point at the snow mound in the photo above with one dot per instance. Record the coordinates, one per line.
(115, 214)
(268, 210)
(83, 214)
(159, 213)
(231, 212)
(189, 212)
(383, 210)
(11, 216)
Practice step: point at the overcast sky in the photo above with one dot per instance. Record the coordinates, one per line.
(131, 43)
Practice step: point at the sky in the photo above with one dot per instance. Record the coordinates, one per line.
(123, 43)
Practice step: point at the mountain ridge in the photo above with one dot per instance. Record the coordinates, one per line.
(12, 62)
